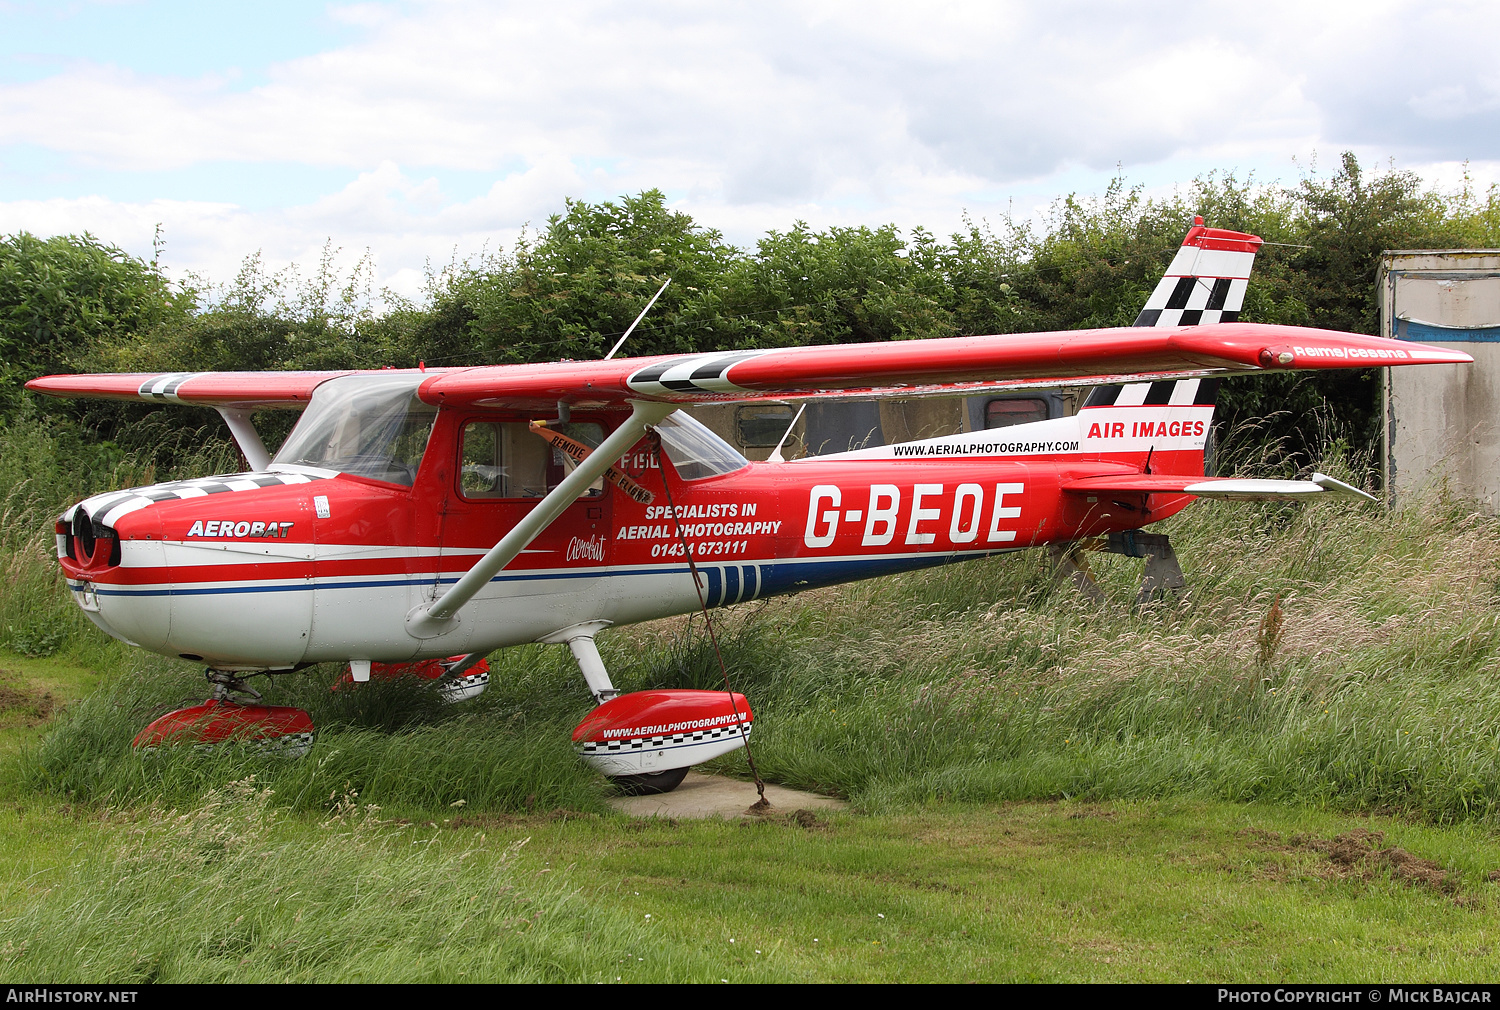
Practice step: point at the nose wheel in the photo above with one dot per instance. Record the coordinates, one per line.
(649, 785)
(230, 687)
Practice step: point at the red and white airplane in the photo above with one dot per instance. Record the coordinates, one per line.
(412, 516)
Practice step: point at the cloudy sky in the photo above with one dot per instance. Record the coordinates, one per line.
(422, 130)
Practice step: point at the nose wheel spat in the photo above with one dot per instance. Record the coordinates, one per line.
(226, 720)
(266, 729)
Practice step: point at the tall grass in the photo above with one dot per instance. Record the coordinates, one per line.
(979, 681)
(988, 682)
(222, 891)
(395, 743)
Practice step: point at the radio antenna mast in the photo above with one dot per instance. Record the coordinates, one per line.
(775, 456)
(638, 319)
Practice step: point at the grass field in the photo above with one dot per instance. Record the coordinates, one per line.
(1165, 890)
(1040, 787)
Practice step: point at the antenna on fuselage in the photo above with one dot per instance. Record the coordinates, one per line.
(776, 456)
(637, 322)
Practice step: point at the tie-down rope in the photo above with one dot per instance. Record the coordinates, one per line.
(760, 786)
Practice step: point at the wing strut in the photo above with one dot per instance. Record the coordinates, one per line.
(246, 437)
(440, 617)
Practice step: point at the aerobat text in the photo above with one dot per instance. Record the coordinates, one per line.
(239, 529)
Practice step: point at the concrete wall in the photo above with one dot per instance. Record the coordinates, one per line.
(1442, 422)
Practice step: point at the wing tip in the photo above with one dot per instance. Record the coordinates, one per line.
(1200, 236)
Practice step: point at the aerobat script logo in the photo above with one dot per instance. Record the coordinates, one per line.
(591, 549)
(974, 514)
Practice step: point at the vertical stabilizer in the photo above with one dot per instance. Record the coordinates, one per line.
(1163, 427)
(1207, 279)
(1172, 421)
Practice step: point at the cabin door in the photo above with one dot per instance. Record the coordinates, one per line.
(504, 471)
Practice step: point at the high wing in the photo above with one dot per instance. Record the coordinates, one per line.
(898, 368)
(235, 390)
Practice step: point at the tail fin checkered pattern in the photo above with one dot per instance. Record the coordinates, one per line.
(1206, 282)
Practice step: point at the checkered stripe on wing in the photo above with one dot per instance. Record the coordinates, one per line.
(163, 388)
(701, 373)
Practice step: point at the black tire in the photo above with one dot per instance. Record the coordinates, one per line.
(650, 785)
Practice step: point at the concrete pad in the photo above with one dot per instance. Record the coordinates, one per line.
(703, 796)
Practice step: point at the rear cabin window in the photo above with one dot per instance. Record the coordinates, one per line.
(1004, 413)
(762, 425)
(504, 459)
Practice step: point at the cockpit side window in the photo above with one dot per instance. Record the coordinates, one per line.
(505, 459)
(369, 426)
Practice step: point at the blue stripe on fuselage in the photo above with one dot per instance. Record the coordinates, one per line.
(768, 578)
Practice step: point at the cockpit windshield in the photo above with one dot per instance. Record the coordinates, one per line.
(369, 426)
(696, 451)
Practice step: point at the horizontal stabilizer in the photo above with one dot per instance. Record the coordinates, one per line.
(1241, 488)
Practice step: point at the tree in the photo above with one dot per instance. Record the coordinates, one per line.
(570, 291)
(62, 297)
(578, 287)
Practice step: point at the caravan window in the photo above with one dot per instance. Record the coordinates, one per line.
(761, 425)
(1014, 410)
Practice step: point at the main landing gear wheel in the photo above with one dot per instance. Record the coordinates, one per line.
(650, 785)
(631, 733)
(631, 736)
(457, 678)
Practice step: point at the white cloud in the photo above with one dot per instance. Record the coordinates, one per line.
(752, 115)
(831, 89)
(403, 221)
